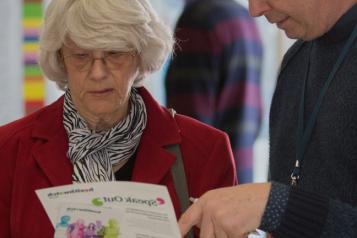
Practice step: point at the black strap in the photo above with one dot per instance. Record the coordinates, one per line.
(179, 177)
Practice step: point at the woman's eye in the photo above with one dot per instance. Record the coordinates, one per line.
(114, 54)
(81, 55)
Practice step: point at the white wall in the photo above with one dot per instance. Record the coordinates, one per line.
(11, 96)
(169, 11)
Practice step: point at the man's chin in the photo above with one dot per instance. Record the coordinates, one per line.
(290, 35)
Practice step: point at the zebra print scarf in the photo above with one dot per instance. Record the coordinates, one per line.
(94, 153)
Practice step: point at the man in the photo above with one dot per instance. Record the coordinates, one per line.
(215, 73)
(313, 128)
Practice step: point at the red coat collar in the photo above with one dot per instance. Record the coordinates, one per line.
(153, 162)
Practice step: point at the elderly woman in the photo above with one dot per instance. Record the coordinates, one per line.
(106, 126)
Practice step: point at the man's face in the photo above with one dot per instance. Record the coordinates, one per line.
(300, 19)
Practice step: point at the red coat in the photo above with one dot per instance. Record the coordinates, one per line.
(33, 156)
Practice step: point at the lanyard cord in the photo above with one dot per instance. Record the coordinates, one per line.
(303, 136)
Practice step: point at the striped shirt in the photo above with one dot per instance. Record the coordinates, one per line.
(214, 75)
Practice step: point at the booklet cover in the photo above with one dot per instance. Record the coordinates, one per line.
(110, 209)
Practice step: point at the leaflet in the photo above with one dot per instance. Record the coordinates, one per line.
(110, 209)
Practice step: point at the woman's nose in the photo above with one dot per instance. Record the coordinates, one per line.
(98, 69)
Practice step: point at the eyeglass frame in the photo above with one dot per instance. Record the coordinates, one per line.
(90, 61)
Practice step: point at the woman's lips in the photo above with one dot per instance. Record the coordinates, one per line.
(101, 92)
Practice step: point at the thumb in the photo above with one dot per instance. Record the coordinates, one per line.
(191, 217)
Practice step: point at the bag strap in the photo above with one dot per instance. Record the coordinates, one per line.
(179, 177)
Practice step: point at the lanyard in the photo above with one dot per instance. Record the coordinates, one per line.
(304, 135)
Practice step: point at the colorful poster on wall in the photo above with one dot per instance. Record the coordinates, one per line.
(34, 86)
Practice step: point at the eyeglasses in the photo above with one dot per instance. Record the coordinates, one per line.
(83, 61)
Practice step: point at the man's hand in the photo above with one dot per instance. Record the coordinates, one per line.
(227, 212)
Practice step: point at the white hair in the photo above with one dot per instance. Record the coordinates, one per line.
(124, 25)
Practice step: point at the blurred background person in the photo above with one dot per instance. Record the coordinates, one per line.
(106, 126)
(214, 75)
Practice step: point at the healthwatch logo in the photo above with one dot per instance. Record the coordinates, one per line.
(100, 201)
(53, 195)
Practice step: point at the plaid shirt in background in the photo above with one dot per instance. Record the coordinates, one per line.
(214, 75)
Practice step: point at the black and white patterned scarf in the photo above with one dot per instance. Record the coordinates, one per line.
(94, 153)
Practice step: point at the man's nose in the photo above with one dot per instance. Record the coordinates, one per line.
(257, 8)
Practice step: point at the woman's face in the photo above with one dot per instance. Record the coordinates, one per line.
(100, 82)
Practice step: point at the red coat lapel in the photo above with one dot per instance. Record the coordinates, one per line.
(51, 145)
(153, 161)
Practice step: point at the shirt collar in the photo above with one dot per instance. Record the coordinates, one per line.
(343, 27)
